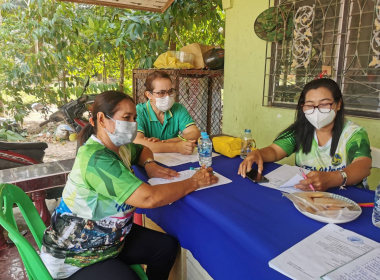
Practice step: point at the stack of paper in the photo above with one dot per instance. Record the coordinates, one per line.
(186, 175)
(285, 178)
(328, 248)
(366, 267)
(174, 159)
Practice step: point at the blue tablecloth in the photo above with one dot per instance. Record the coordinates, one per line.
(234, 230)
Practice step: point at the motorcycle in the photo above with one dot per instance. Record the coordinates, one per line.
(72, 112)
(13, 155)
(20, 154)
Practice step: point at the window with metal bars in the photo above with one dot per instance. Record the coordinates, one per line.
(340, 37)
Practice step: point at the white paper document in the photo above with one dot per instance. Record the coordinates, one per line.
(174, 159)
(366, 267)
(323, 251)
(186, 175)
(284, 178)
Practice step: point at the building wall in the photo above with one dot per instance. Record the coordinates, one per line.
(244, 80)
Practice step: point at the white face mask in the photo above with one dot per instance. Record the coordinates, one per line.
(165, 103)
(319, 120)
(125, 132)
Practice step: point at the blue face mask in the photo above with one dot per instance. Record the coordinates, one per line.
(125, 132)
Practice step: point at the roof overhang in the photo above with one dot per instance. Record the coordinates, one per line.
(158, 6)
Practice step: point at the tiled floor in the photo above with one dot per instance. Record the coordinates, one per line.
(11, 266)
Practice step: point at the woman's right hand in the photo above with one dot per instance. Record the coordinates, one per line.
(205, 177)
(246, 165)
(185, 147)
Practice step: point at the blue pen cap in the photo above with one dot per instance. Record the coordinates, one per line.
(192, 168)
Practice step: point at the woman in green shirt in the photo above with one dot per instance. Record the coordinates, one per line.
(337, 151)
(160, 119)
(92, 235)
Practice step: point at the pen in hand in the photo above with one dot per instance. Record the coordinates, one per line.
(183, 139)
(305, 177)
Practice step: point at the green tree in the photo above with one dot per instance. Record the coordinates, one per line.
(48, 47)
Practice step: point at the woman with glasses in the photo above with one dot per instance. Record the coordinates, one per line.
(336, 150)
(160, 119)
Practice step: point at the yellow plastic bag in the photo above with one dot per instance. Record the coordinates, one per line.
(228, 146)
(167, 60)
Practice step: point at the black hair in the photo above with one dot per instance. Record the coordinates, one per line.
(303, 130)
(106, 102)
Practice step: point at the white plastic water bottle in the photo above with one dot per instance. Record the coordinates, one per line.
(199, 144)
(376, 208)
(205, 151)
(201, 138)
(246, 143)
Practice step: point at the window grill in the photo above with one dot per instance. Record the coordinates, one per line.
(339, 36)
(200, 91)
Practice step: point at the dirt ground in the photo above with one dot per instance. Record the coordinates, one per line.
(57, 149)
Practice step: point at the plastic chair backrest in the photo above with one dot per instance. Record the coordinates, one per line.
(10, 195)
(375, 153)
(139, 271)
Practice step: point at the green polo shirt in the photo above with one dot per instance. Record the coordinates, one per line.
(176, 119)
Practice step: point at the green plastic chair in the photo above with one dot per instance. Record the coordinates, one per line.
(35, 268)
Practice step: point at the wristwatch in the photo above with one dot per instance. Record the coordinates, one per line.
(148, 161)
(344, 176)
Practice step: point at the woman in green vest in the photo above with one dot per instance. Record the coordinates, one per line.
(336, 150)
(92, 234)
(161, 119)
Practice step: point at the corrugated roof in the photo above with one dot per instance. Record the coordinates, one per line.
(145, 5)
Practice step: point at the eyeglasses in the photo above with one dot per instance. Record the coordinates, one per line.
(163, 93)
(323, 108)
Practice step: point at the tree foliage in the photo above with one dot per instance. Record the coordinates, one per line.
(47, 47)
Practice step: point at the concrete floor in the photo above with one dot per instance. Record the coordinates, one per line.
(11, 266)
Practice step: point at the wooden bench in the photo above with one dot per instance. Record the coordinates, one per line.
(35, 180)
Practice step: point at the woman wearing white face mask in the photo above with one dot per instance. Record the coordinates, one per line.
(160, 119)
(337, 151)
(92, 235)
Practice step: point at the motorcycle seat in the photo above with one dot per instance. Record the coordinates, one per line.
(23, 146)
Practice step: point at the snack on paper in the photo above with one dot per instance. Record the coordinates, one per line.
(324, 204)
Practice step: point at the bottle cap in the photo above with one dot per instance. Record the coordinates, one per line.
(206, 136)
(203, 133)
(247, 130)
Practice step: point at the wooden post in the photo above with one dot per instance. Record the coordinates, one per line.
(121, 82)
(40, 203)
(173, 46)
(104, 69)
(175, 78)
(3, 242)
(209, 106)
(64, 87)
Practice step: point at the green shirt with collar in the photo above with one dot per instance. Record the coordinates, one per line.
(176, 119)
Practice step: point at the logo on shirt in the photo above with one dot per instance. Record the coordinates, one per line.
(336, 160)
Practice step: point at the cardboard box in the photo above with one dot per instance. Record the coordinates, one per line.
(198, 50)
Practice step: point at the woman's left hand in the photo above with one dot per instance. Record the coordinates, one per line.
(321, 181)
(157, 171)
(152, 139)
